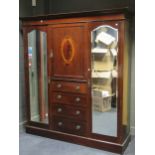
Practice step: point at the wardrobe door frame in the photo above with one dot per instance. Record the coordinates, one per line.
(26, 30)
(120, 25)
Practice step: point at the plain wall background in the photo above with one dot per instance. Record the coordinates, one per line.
(58, 6)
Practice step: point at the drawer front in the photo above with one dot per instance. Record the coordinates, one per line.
(69, 87)
(71, 99)
(68, 111)
(68, 126)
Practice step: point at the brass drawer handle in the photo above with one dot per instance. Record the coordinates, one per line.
(78, 112)
(77, 88)
(59, 110)
(59, 85)
(77, 99)
(78, 127)
(59, 96)
(60, 123)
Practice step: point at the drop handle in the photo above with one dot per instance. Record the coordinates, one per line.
(59, 96)
(77, 99)
(77, 88)
(59, 110)
(59, 85)
(60, 123)
(78, 112)
(78, 127)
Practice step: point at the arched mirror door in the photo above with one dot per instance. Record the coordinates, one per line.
(38, 86)
(104, 74)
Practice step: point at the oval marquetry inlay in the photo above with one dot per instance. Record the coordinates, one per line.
(67, 50)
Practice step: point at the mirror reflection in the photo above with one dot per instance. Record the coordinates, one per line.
(104, 72)
(37, 59)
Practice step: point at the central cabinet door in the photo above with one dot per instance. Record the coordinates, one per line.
(68, 51)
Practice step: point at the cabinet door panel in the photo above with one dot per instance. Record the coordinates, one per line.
(69, 49)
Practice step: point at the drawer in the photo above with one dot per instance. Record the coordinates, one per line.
(69, 87)
(69, 111)
(69, 126)
(71, 99)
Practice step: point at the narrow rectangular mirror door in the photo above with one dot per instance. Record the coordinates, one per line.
(104, 74)
(38, 86)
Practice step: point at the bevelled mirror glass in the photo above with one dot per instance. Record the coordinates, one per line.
(38, 86)
(104, 74)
